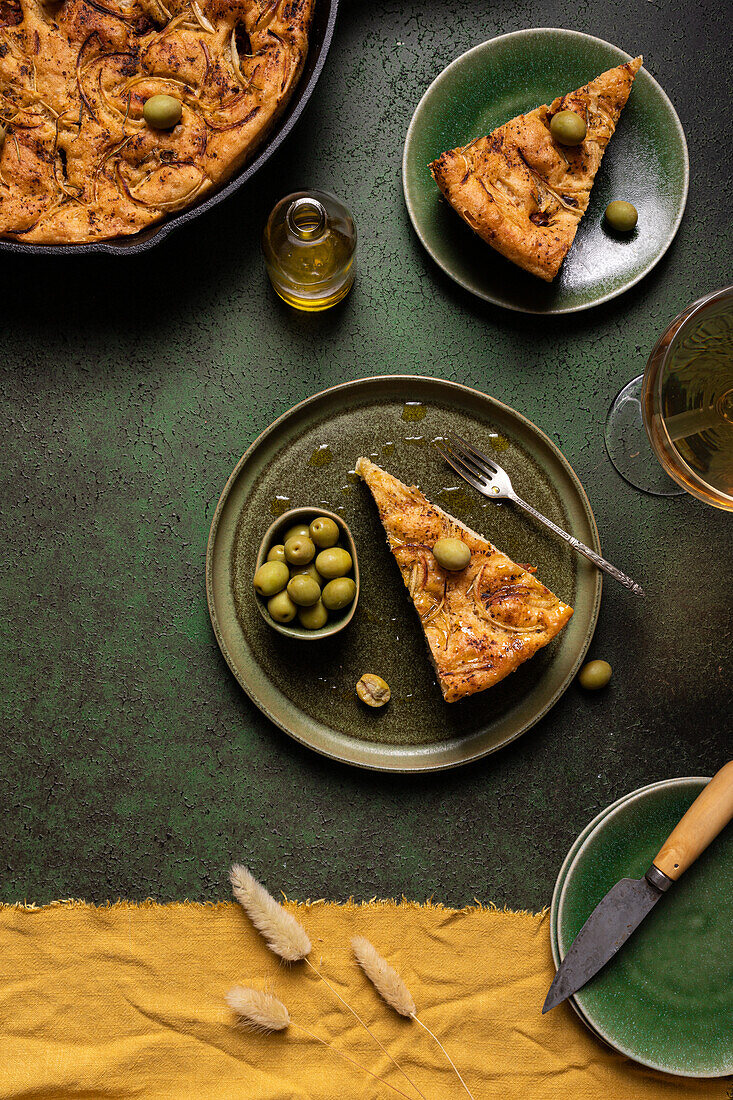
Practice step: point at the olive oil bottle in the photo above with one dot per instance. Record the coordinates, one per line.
(309, 244)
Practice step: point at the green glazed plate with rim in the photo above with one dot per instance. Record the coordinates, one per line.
(666, 1000)
(646, 163)
(307, 457)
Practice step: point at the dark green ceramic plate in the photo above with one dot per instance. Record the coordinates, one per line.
(646, 163)
(307, 457)
(666, 1000)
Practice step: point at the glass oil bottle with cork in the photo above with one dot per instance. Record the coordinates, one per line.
(309, 244)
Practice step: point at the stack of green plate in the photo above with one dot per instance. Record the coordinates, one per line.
(666, 1000)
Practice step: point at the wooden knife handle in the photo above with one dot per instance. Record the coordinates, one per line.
(707, 816)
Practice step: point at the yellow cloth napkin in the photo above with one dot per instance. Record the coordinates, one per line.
(127, 1001)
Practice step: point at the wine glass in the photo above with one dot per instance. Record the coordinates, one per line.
(683, 405)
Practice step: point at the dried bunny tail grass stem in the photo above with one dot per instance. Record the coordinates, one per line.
(455, 1067)
(263, 1013)
(258, 1011)
(366, 1027)
(348, 1058)
(282, 932)
(392, 988)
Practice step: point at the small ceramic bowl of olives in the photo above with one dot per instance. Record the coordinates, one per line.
(306, 577)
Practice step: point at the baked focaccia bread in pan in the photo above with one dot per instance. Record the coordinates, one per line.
(78, 160)
(523, 192)
(480, 623)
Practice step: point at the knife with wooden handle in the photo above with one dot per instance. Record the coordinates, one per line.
(624, 907)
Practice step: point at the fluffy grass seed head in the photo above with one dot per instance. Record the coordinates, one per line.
(258, 1011)
(384, 978)
(282, 932)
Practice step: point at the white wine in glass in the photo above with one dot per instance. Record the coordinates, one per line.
(684, 401)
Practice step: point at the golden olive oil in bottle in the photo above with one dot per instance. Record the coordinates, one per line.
(309, 244)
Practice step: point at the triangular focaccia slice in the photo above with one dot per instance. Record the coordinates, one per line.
(480, 624)
(522, 191)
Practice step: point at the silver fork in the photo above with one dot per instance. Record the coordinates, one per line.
(494, 482)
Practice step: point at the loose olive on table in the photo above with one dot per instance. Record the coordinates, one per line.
(299, 550)
(303, 590)
(452, 554)
(334, 562)
(621, 216)
(271, 578)
(568, 128)
(162, 112)
(594, 675)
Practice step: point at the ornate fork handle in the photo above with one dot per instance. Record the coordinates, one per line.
(581, 548)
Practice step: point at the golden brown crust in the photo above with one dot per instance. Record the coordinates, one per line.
(480, 624)
(78, 162)
(523, 192)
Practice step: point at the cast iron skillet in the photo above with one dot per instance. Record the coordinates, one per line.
(324, 21)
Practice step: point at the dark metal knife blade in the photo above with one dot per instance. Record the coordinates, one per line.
(606, 930)
(626, 904)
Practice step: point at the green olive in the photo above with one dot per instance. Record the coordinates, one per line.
(373, 690)
(568, 128)
(622, 216)
(298, 531)
(314, 617)
(308, 570)
(282, 608)
(339, 593)
(324, 532)
(162, 112)
(334, 562)
(271, 578)
(299, 550)
(277, 553)
(304, 590)
(452, 554)
(594, 675)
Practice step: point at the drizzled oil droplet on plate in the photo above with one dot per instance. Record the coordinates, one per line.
(413, 410)
(279, 505)
(498, 442)
(455, 499)
(322, 456)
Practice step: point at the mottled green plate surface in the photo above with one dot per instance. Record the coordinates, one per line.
(307, 457)
(646, 163)
(666, 1000)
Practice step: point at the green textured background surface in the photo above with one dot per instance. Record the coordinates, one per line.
(131, 763)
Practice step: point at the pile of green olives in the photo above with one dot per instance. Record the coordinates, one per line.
(307, 574)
